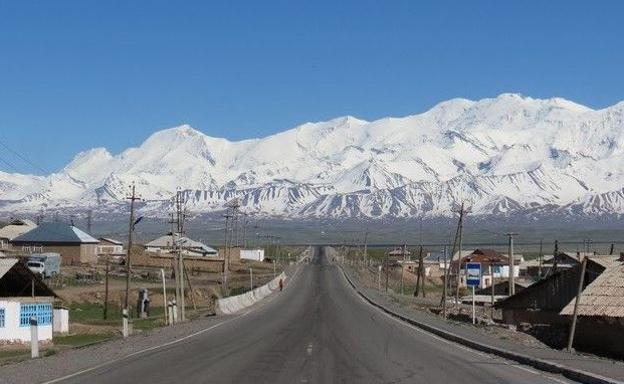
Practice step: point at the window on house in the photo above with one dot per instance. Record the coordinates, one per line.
(1, 317)
(43, 313)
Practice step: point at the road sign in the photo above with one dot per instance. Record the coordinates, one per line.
(473, 274)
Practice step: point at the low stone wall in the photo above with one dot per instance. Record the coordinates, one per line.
(233, 304)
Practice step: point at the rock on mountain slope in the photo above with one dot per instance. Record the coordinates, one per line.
(502, 156)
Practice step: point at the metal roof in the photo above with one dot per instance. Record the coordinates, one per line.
(166, 241)
(16, 228)
(6, 264)
(604, 297)
(112, 241)
(55, 233)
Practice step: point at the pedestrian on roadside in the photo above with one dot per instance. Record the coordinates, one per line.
(281, 285)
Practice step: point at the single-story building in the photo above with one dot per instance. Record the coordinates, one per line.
(111, 248)
(189, 247)
(493, 266)
(74, 245)
(23, 295)
(541, 302)
(252, 254)
(15, 228)
(399, 253)
(600, 323)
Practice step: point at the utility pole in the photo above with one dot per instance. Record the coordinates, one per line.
(225, 253)
(173, 221)
(512, 265)
(462, 212)
(366, 248)
(541, 259)
(553, 270)
(132, 199)
(420, 279)
(179, 205)
(106, 288)
(576, 304)
(447, 271)
(386, 262)
(89, 219)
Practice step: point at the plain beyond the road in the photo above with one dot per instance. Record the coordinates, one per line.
(318, 330)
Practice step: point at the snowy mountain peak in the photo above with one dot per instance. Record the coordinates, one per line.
(502, 155)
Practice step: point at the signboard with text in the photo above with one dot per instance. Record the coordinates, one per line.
(473, 274)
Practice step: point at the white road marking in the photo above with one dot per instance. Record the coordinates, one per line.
(252, 309)
(309, 349)
(449, 342)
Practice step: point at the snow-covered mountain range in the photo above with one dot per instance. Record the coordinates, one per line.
(502, 156)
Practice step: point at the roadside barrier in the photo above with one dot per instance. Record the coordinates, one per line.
(233, 304)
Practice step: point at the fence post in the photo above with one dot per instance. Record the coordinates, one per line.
(125, 322)
(34, 338)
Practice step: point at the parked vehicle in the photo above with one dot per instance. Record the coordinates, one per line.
(45, 264)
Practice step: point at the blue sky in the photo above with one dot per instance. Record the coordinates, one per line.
(81, 74)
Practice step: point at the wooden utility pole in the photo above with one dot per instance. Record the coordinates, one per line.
(387, 271)
(420, 279)
(553, 270)
(132, 199)
(462, 212)
(579, 291)
(512, 264)
(106, 288)
(541, 260)
(226, 267)
(366, 248)
(89, 220)
(179, 210)
(447, 271)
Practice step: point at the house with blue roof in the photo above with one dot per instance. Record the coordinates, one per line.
(73, 244)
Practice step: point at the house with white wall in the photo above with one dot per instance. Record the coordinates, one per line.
(23, 295)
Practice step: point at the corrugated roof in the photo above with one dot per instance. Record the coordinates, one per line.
(166, 241)
(55, 233)
(604, 297)
(16, 228)
(112, 241)
(6, 264)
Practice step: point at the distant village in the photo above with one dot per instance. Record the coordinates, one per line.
(36, 258)
(539, 296)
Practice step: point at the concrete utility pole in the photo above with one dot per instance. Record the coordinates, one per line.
(512, 264)
(579, 291)
(132, 199)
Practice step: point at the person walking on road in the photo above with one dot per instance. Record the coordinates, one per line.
(281, 285)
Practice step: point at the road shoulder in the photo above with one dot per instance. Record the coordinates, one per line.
(577, 367)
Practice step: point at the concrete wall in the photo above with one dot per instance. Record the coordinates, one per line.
(233, 304)
(12, 332)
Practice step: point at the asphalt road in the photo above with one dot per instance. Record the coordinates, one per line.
(316, 331)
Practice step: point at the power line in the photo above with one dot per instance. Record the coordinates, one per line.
(23, 158)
